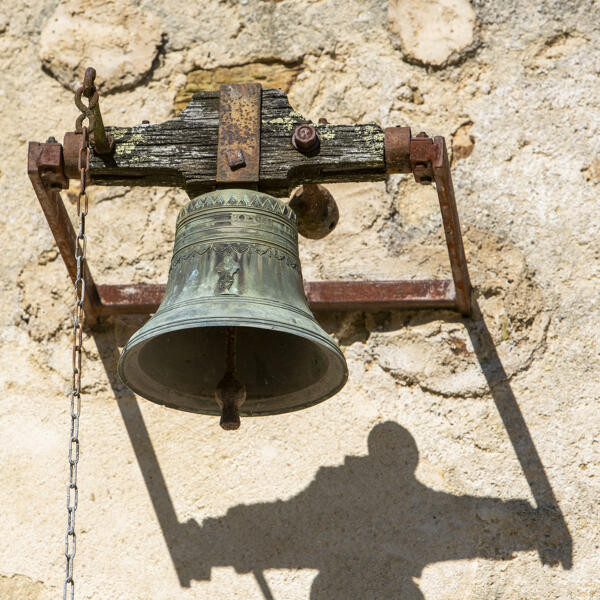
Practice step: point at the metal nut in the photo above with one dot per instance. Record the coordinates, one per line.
(305, 139)
(235, 159)
(422, 173)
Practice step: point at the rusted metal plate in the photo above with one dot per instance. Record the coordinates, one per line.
(238, 150)
(322, 295)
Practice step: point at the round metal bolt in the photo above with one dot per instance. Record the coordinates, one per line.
(305, 139)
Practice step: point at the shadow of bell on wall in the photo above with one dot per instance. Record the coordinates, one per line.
(368, 526)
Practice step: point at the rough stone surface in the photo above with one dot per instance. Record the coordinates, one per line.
(22, 587)
(117, 38)
(433, 33)
(269, 75)
(461, 460)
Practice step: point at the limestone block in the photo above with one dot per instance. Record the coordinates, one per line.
(22, 587)
(433, 33)
(273, 75)
(120, 40)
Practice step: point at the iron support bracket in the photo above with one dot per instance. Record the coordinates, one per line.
(242, 131)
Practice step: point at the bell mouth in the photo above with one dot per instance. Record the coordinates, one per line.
(282, 370)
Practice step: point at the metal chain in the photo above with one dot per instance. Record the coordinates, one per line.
(88, 89)
(78, 317)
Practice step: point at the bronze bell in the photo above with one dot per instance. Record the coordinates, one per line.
(234, 333)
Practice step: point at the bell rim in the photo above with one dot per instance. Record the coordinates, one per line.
(327, 342)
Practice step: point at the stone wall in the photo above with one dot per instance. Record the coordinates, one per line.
(461, 460)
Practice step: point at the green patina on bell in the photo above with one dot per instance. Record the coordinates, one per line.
(234, 316)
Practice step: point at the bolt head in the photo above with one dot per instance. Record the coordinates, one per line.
(305, 138)
(235, 159)
(422, 174)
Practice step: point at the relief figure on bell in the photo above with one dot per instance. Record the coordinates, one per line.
(227, 270)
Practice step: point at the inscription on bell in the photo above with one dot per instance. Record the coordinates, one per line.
(248, 219)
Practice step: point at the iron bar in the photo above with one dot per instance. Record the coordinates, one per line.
(456, 251)
(61, 226)
(322, 295)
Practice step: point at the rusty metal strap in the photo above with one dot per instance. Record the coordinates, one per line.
(238, 151)
(445, 190)
(427, 158)
(45, 168)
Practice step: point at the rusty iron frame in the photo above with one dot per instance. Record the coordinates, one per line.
(425, 157)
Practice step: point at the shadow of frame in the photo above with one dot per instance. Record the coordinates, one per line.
(389, 497)
(519, 435)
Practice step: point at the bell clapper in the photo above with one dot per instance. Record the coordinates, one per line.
(231, 392)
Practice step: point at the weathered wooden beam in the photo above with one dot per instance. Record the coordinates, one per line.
(182, 152)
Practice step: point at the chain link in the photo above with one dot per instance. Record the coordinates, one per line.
(88, 89)
(78, 317)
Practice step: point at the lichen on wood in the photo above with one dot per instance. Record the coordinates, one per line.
(182, 152)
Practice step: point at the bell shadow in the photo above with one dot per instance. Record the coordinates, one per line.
(368, 526)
